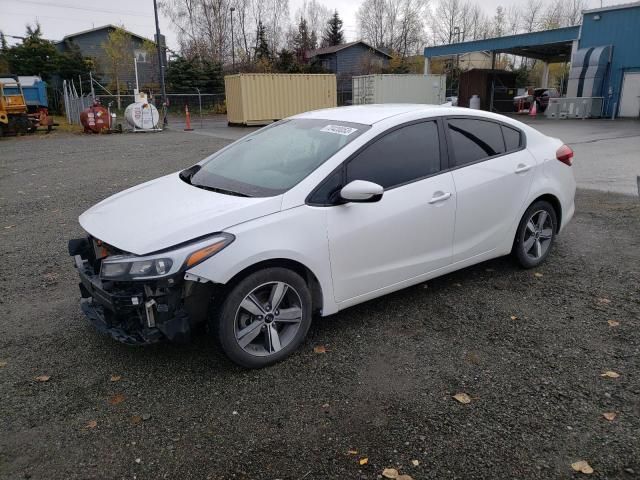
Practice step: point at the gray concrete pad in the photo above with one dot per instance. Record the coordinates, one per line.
(214, 126)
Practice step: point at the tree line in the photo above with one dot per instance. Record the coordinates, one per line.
(219, 36)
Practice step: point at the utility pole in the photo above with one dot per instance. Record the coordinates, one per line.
(160, 61)
(233, 47)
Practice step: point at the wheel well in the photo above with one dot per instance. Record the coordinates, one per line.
(555, 203)
(307, 275)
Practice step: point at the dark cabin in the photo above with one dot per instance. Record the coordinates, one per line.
(347, 60)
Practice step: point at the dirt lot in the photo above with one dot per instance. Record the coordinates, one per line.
(528, 347)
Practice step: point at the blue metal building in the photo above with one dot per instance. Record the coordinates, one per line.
(604, 53)
(618, 26)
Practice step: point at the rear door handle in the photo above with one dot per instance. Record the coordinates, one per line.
(441, 197)
(522, 167)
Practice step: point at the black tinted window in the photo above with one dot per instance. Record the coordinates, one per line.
(511, 138)
(401, 156)
(327, 191)
(473, 140)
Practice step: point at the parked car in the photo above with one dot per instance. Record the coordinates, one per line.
(540, 95)
(314, 214)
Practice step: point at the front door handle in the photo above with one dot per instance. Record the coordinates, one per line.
(439, 197)
(523, 167)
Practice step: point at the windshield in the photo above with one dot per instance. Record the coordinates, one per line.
(274, 159)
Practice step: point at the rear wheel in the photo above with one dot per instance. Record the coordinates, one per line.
(264, 318)
(535, 235)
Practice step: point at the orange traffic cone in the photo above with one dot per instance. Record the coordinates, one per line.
(533, 110)
(187, 127)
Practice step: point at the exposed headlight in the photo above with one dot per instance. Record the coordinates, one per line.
(143, 268)
(166, 263)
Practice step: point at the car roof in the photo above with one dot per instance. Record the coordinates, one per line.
(373, 113)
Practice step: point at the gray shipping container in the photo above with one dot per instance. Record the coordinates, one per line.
(405, 88)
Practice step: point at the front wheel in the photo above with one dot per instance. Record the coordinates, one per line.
(264, 318)
(535, 235)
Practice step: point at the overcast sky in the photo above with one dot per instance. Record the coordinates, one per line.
(62, 17)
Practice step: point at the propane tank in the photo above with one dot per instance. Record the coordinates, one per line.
(142, 116)
(474, 102)
(95, 118)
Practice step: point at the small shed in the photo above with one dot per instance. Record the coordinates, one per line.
(478, 81)
(262, 98)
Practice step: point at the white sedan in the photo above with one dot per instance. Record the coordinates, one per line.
(314, 214)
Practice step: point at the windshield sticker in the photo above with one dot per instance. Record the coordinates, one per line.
(340, 130)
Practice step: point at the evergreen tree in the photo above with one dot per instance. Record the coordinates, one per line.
(303, 41)
(184, 76)
(263, 54)
(71, 63)
(333, 34)
(34, 56)
(286, 62)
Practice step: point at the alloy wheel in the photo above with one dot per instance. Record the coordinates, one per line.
(268, 318)
(538, 235)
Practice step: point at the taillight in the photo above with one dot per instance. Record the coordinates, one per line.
(565, 155)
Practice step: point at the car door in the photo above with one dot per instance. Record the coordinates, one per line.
(492, 172)
(409, 231)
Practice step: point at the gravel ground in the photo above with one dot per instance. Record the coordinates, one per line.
(528, 347)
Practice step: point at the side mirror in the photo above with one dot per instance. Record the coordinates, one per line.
(360, 191)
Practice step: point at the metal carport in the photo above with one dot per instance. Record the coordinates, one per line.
(550, 46)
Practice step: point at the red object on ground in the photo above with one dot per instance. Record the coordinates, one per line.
(95, 119)
(187, 128)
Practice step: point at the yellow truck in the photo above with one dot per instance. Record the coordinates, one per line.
(14, 117)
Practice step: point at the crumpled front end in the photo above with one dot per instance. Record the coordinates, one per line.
(137, 312)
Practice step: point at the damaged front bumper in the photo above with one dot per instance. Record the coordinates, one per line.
(138, 312)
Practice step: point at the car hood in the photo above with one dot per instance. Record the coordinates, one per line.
(168, 211)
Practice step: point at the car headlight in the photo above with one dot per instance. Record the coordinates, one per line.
(165, 263)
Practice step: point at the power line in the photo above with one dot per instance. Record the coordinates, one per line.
(87, 9)
(67, 18)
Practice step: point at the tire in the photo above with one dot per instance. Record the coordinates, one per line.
(535, 235)
(250, 331)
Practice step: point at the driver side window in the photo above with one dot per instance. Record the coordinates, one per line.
(402, 156)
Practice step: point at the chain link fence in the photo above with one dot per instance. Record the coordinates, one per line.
(198, 103)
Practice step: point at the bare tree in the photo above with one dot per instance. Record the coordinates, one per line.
(203, 27)
(371, 17)
(394, 24)
(531, 16)
(445, 20)
(573, 12)
(513, 19)
(315, 14)
(553, 15)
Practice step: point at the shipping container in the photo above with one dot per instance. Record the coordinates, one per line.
(391, 88)
(478, 81)
(262, 98)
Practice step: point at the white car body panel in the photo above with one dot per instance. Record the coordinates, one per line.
(367, 247)
(167, 211)
(355, 251)
(489, 196)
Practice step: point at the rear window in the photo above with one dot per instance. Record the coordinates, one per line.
(512, 138)
(473, 140)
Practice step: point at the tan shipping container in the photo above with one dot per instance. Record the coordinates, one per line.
(261, 98)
